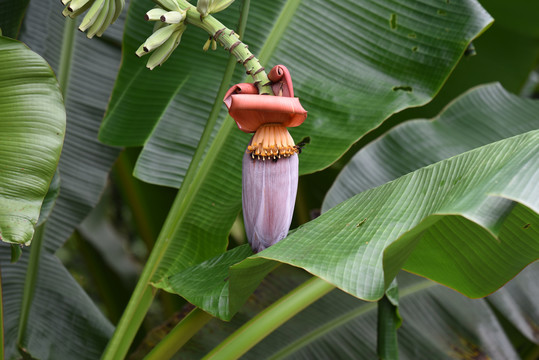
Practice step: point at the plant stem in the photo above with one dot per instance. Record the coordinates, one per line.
(66, 54)
(337, 322)
(143, 294)
(270, 319)
(387, 346)
(2, 341)
(181, 333)
(231, 42)
(30, 281)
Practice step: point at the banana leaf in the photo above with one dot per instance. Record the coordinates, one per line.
(32, 127)
(348, 89)
(59, 305)
(483, 115)
(437, 323)
(449, 221)
(169, 118)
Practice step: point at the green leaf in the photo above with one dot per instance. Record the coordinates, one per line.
(362, 66)
(517, 302)
(50, 198)
(491, 114)
(437, 322)
(32, 128)
(56, 318)
(451, 221)
(216, 198)
(90, 72)
(86, 69)
(11, 14)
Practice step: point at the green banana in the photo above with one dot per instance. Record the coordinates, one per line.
(100, 21)
(75, 5)
(66, 11)
(203, 7)
(220, 5)
(172, 17)
(159, 37)
(170, 5)
(65, 2)
(119, 6)
(74, 14)
(92, 15)
(140, 51)
(154, 14)
(108, 18)
(160, 55)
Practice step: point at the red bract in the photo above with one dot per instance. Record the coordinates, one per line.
(250, 110)
(270, 163)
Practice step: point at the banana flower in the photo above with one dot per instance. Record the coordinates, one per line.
(270, 162)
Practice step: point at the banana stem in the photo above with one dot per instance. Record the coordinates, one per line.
(256, 329)
(178, 336)
(143, 294)
(232, 43)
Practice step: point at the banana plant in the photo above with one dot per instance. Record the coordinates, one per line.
(354, 64)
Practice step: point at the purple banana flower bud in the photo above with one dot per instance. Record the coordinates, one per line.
(268, 193)
(270, 163)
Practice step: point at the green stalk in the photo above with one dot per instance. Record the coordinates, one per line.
(387, 346)
(231, 42)
(2, 342)
(270, 319)
(66, 55)
(30, 282)
(330, 326)
(181, 333)
(143, 294)
(144, 203)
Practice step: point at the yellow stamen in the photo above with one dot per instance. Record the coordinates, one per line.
(272, 141)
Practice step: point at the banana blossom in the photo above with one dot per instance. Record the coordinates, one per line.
(270, 162)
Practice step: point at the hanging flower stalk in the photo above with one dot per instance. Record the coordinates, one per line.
(270, 162)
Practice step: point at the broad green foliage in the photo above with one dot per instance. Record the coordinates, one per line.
(338, 116)
(63, 323)
(339, 324)
(361, 244)
(368, 69)
(84, 166)
(491, 114)
(447, 199)
(32, 126)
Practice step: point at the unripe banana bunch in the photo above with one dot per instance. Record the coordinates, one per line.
(206, 7)
(167, 33)
(101, 14)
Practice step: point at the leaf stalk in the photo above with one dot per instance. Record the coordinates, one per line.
(256, 329)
